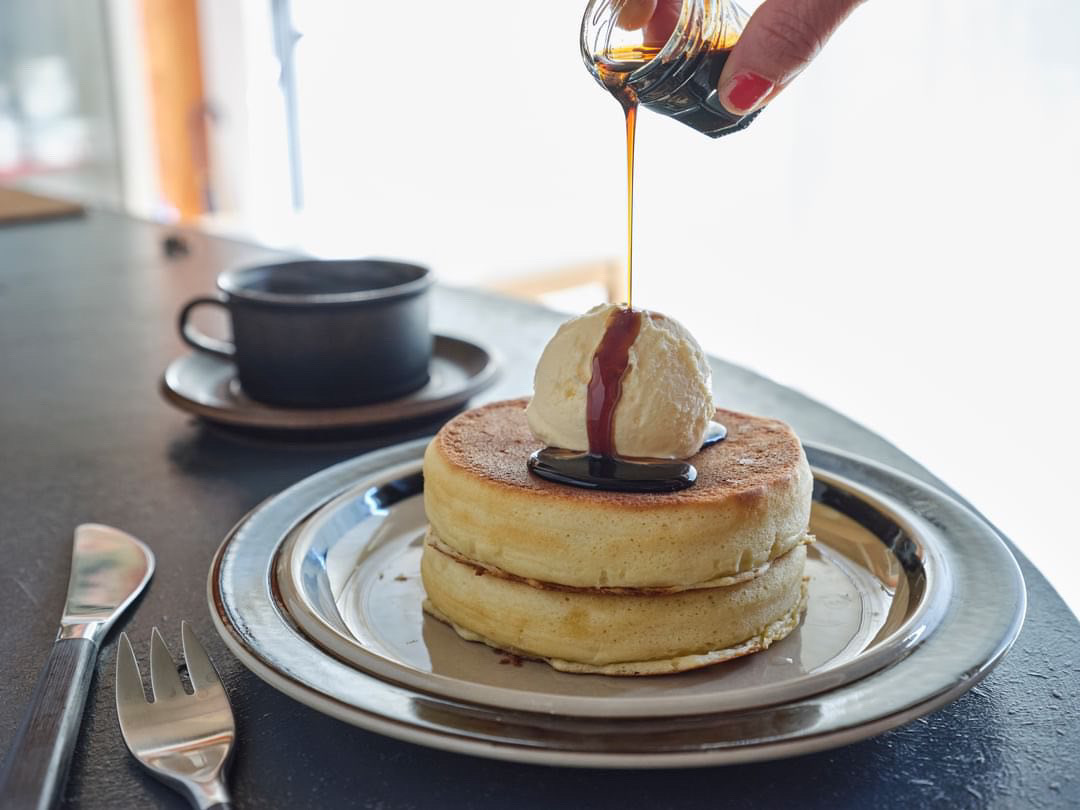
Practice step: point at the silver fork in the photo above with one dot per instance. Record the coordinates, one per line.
(185, 740)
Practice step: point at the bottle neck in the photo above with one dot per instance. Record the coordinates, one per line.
(608, 49)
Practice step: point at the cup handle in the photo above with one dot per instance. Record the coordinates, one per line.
(196, 339)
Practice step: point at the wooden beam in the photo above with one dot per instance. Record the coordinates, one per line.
(178, 105)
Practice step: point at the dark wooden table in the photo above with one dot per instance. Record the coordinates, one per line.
(86, 328)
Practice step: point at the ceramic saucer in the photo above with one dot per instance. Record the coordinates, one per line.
(206, 386)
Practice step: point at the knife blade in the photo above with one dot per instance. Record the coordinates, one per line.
(109, 569)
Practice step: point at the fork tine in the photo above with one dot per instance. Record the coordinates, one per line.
(129, 687)
(184, 740)
(201, 672)
(164, 679)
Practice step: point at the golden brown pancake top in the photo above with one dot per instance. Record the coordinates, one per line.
(494, 442)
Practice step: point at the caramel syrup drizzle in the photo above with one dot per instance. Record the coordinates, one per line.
(614, 69)
(631, 128)
(610, 363)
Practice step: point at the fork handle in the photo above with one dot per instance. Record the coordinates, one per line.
(36, 765)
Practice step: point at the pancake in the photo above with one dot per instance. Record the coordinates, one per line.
(750, 505)
(615, 583)
(615, 633)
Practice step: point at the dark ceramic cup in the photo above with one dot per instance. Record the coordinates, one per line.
(310, 333)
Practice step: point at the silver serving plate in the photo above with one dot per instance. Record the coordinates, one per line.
(913, 599)
(349, 578)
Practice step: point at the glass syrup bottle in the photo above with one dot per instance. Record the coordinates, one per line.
(675, 77)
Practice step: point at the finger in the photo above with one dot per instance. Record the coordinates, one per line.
(781, 38)
(663, 21)
(635, 14)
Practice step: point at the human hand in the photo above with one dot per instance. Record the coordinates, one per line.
(781, 38)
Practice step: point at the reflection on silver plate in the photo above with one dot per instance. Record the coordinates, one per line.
(913, 599)
(206, 385)
(349, 577)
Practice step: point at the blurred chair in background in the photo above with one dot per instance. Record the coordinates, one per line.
(608, 274)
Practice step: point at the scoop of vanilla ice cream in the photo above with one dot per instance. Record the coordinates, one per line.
(666, 401)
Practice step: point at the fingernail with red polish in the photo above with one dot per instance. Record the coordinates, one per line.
(744, 91)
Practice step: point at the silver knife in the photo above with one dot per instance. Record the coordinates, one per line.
(108, 570)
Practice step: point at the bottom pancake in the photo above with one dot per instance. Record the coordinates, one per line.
(587, 631)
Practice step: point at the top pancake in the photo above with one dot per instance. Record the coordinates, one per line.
(751, 503)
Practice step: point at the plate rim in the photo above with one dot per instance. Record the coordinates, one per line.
(841, 716)
(269, 417)
(918, 625)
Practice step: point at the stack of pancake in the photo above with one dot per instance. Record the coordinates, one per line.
(616, 583)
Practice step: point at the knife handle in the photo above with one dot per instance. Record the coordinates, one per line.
(36, 765)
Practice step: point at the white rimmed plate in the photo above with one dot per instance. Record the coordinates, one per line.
(349, 577)
(889, 670)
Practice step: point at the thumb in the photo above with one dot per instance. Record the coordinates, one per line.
(781, 38)
(635, 13)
